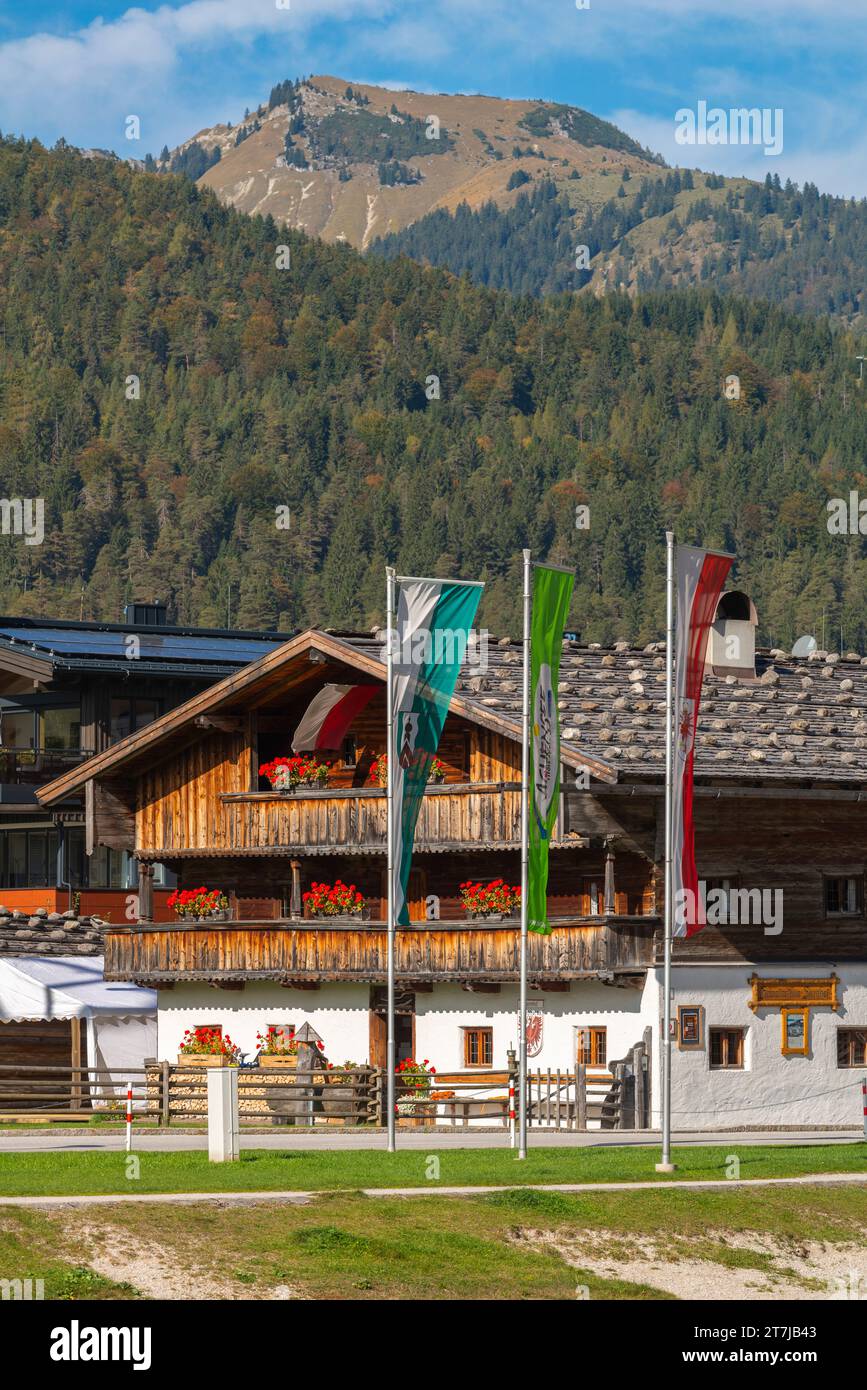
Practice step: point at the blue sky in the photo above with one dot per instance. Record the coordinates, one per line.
(79, 68)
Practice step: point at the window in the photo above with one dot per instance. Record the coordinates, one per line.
(60, 729)
(17, 728)
(844, 896)
(592, 1047)
(128, 716)
(106, 868)
(28, 858)
(478, 1047)
(852, 1047)
(349, 753)
(727, 1049)
(796, 1032)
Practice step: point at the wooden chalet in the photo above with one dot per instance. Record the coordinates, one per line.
(781, 805)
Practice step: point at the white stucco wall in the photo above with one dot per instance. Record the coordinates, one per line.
(338, 1012)
(772, 1090)
(442, 1015)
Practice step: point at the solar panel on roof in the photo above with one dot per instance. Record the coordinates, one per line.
(151, 645)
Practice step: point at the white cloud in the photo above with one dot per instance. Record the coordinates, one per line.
(183, 67)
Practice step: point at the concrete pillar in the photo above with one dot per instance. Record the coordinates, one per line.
(223, 1124)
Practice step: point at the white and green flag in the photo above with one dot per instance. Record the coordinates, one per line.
(434, 619)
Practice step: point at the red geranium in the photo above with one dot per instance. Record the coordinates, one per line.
(334, 900)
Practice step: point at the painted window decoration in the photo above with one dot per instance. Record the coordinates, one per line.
(852, 1047)
(844, 896)
(591, 1046)
(690, 1027)
(796, 1032)
(727, 1048)
(478, 1047)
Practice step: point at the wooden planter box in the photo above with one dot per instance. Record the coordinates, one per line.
(203, 1059)
(277, 1062)
(425, 1115)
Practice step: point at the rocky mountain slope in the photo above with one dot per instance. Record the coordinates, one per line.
(352, 163)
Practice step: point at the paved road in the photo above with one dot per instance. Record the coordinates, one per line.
(144, 1142)
(301, 1198)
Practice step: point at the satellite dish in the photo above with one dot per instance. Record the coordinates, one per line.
(804, 646)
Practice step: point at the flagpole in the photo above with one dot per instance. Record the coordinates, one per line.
(389, 1051)
(525, 856)
(666, 1166)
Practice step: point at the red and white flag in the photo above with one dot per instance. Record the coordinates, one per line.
(701, 575)
(328, 716)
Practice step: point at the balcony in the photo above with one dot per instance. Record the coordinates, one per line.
(293, 951)
(24, 769)
(454, 816)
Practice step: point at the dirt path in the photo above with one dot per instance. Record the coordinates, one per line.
(161, 1272)
(798, 1270)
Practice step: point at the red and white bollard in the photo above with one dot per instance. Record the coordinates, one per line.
(129, 1117)
(512, 1116)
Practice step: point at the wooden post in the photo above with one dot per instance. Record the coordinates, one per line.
(610, 904)
(145, 891)
(75, 1059)
(580, 1096)
(165, 1095)
(296, 908)
(638, 1121)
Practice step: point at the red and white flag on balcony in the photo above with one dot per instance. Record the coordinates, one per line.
(327, 718)
(700, 577)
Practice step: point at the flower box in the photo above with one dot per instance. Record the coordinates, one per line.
(425, 1114)
(204, 1059)
(277, 1061)
(488, 917)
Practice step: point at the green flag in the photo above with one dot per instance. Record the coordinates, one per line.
(434, 622)
(552, 594)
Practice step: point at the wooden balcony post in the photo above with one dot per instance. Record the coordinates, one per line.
(296, 908)
(145, 891)
(610, 904)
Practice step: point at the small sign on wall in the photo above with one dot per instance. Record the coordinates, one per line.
(690, 1027)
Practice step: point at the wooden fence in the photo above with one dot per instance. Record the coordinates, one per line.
(165, 1093)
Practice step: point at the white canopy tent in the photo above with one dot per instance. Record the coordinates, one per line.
(121, 1018)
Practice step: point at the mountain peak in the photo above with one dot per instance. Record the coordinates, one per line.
(349, 161)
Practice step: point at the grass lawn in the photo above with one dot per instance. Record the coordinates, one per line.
(512, 1245)
(62, 1174)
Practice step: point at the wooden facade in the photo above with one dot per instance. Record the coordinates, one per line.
(188, 793)
(424, 953)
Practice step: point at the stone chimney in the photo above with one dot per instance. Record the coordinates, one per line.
(731, 648)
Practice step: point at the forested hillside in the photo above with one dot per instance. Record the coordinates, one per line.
(795, 247)
(308, 389)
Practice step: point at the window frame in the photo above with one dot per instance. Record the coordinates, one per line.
(119, 697)
(597, 1032)
(485, 1034)
(786, 1011)
(849, 1032)
(839, 914)
(725, 1031)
